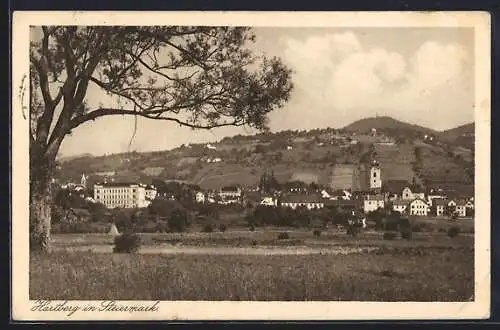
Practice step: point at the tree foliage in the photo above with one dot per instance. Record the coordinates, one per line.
(199, 77)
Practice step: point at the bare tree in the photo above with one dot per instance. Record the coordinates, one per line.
(199, 77)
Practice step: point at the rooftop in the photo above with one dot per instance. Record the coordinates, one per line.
(394, 186)
(230, 189)
(344, 202)
(374, 198)
(302, 198)
(117, 184)
(418, 200)
(440, 202)
(416, 188)
(400, 202)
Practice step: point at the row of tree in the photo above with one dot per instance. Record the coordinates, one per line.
(300, 217)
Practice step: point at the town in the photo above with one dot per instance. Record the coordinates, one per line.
(402, 196)
(359, 190)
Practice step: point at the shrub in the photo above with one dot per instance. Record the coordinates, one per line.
(222, 227)
(251, 228)
(404, 223)
(453, 231)
(406, 234)
(207, 228)
(284, 235)
(389, 235)
(317, 232)
(353, 230)
(161, 227)
(127, 243)
(178, 221)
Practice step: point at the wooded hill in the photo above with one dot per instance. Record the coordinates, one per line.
(318, 155)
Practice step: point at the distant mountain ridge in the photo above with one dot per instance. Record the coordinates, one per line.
(385, 122)
(389, 123)
(63, 159)
(454, 133)
(361, 126)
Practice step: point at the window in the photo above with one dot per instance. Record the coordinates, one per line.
(374, 175)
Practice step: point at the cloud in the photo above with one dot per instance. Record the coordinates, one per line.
(342, 80)
(435, 64)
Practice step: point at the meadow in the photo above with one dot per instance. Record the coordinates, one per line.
(429, 267)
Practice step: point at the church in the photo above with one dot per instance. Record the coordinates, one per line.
(375, 183)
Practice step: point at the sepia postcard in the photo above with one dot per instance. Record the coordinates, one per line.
(250, 165)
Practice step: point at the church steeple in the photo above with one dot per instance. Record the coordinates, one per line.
(375, 176)
(83, 180)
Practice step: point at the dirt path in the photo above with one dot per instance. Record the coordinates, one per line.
(296, 250)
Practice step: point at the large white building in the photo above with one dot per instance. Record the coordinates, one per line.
(121, 194)
(313, 201)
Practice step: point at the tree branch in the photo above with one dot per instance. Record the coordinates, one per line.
(101, 112)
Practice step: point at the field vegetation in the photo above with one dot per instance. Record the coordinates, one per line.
(389, 274)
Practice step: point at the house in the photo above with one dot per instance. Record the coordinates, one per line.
(433, 194)
(326, 194)
(89, 199)
(392, 188)
(400, 205)
(200, 197)
(373, 203)
(310, 201)
(269, 201)
(418, 207)
(461, 208)
(455, 190)
(230, 191)
(413, 192)
(230, 195)
(338, 194)
(151, 192)
(439, 206)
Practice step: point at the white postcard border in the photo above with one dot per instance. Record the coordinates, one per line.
(198, 310)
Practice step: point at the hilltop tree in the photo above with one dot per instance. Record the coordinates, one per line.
(198, 77)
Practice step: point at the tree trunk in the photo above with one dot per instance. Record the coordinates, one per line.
(40, 201)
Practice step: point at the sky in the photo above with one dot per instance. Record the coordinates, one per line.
(419, 75)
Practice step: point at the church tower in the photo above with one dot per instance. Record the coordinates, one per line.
(375, 176)
(83, 180)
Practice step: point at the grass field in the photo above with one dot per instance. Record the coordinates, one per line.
(429, 267)
(442, 275)
(268, 237)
